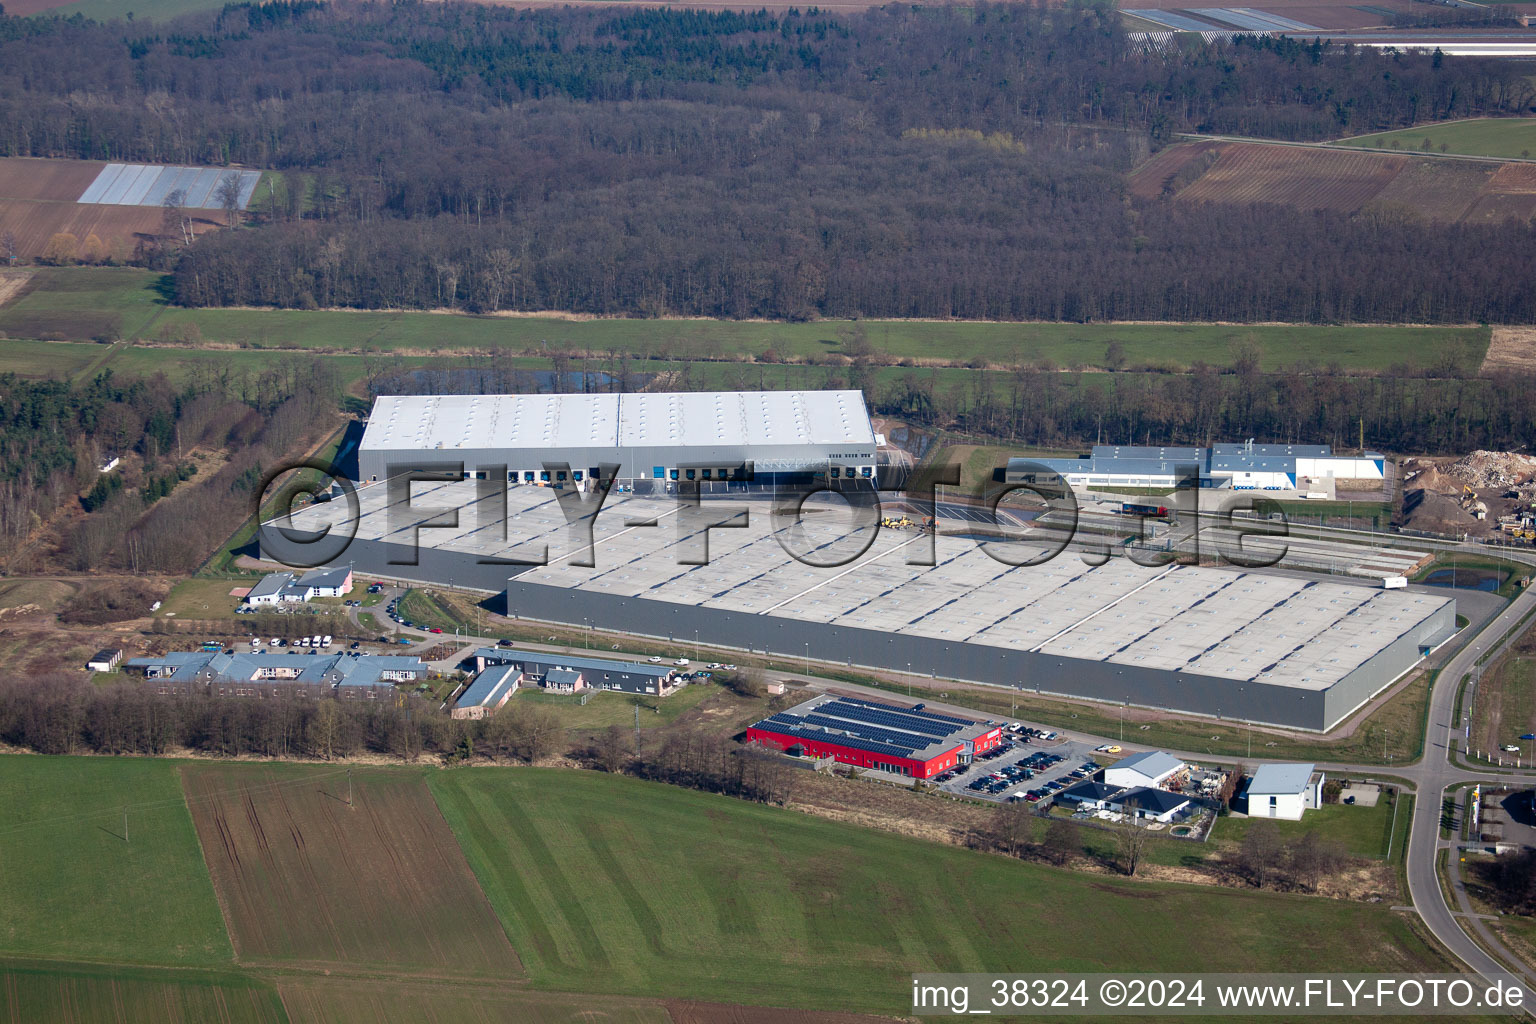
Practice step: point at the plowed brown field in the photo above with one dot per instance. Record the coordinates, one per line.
(1306, 178)
(301, 876)
(37, 201)
(1314, 178)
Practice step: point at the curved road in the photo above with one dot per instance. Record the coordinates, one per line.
(1431, 777)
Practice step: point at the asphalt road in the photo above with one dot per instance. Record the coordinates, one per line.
(1430, 777)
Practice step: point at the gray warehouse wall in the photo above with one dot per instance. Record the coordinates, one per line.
(789, 639)
(1375, 675)
(634, 463)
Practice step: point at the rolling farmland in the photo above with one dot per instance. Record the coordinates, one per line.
(39, 198)
(1483, 136)
(81, 303)
(1315, 178)
(611, 884)
(304, 877)
(73, 886)
(390, 1002)
(92, 994)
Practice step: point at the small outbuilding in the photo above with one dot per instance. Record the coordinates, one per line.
(487, 692)
(105, 660)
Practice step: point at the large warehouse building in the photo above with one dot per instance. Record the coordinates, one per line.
(873, 734)
(707, 435)
(1248, 466)
(1256, 646)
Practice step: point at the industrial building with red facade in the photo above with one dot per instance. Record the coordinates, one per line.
(872, 734)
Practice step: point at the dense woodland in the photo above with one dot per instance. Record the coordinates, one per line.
(191, 457)
(926, 162)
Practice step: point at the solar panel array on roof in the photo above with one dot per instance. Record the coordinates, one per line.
(882, 706)
(792, 725)
(907, 723)
(868, 731)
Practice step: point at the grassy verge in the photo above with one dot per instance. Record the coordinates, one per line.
(1364, 831)
(1509, 572)
(222, 562)
(1392, 732)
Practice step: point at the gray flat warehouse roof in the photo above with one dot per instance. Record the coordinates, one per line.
(1236, 625)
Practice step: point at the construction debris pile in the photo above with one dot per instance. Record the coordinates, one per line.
(1480, 494)
(1493, 469)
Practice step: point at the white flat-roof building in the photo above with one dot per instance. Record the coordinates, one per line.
(1247, 466)
(705, 435)
(1284, 791)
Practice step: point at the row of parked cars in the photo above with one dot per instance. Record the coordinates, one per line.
(1078, 774)
(1014, 774)
(394, 613)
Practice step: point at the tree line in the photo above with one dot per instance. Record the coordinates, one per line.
(155, 511)
(913, 162)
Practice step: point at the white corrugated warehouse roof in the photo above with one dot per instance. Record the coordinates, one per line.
(420, 422)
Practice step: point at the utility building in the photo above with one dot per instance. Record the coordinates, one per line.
(1247, 466)
(664, 437)
(1284, 791)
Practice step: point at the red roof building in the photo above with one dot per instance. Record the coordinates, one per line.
(873, 734)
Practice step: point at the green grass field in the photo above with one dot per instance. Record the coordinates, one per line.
(1505, 706)
(158, 10)
(200, 599)
(1485, 136)
(613, 885)
(1364, 831)
(609, 708)
(81, 303)
(72, 887)
(81, 993)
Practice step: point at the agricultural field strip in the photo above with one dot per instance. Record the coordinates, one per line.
(16, 828)
(302, 877)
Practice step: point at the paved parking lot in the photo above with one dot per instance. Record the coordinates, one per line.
(1028, 764)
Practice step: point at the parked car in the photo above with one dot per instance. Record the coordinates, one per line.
(1108, 748)
(434, 629)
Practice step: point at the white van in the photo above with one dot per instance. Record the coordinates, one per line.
(325, 641)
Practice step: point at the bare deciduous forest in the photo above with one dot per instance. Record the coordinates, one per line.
(907, 162)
